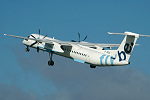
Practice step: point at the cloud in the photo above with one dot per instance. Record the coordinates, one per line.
(77, 81)
(111, 84)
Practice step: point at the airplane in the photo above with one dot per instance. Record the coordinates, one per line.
(93, 54)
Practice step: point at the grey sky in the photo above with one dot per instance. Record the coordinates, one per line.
(71, 80)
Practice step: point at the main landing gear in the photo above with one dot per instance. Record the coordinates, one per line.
(27, 49)
(92, 66)
(51, 62)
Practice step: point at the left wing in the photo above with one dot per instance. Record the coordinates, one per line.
(26, 38)
(54, 45)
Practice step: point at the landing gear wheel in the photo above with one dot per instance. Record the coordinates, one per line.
(92, 66)
(50, 63)
(27, 49)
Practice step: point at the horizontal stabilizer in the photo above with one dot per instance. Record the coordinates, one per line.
(130, 33)
(144, 35)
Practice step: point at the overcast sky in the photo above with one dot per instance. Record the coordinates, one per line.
(26, 76)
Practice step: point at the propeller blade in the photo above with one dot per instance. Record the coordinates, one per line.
(84, 38)
(39, 33)
(45, 36)
(33, 36)
(33, 43)
(79, 36)
(73, 41)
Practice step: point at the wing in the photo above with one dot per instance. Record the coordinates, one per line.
(98, 45)
(108, 45)
(53, 45)
(26, 38)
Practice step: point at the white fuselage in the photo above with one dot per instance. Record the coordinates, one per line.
(79, 53)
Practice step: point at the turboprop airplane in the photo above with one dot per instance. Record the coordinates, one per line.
(84, 52)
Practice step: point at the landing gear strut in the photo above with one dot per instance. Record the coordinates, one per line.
(51, 62)
(27, 49)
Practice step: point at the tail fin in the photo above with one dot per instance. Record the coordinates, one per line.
(126, 47)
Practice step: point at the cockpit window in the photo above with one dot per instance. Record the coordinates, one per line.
(28, 36)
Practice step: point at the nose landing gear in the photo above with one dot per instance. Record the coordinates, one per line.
(51, 62)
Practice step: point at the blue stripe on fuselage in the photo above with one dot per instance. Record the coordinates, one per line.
(106, 59)
(101, 59)
(78, 60)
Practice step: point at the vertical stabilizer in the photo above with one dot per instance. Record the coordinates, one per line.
(126, 47)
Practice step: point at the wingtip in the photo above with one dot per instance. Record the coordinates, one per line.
(109, 33)
(144, 35)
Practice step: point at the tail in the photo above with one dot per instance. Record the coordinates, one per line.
(126, 47)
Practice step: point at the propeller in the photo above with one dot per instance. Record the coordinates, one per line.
(39, 33)
(79, 36)
(84, 38)
(32, 36)
(79, 39)
(37, 41)
(45, 36)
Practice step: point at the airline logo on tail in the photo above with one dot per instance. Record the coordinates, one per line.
(128, 47)
(127, 50)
